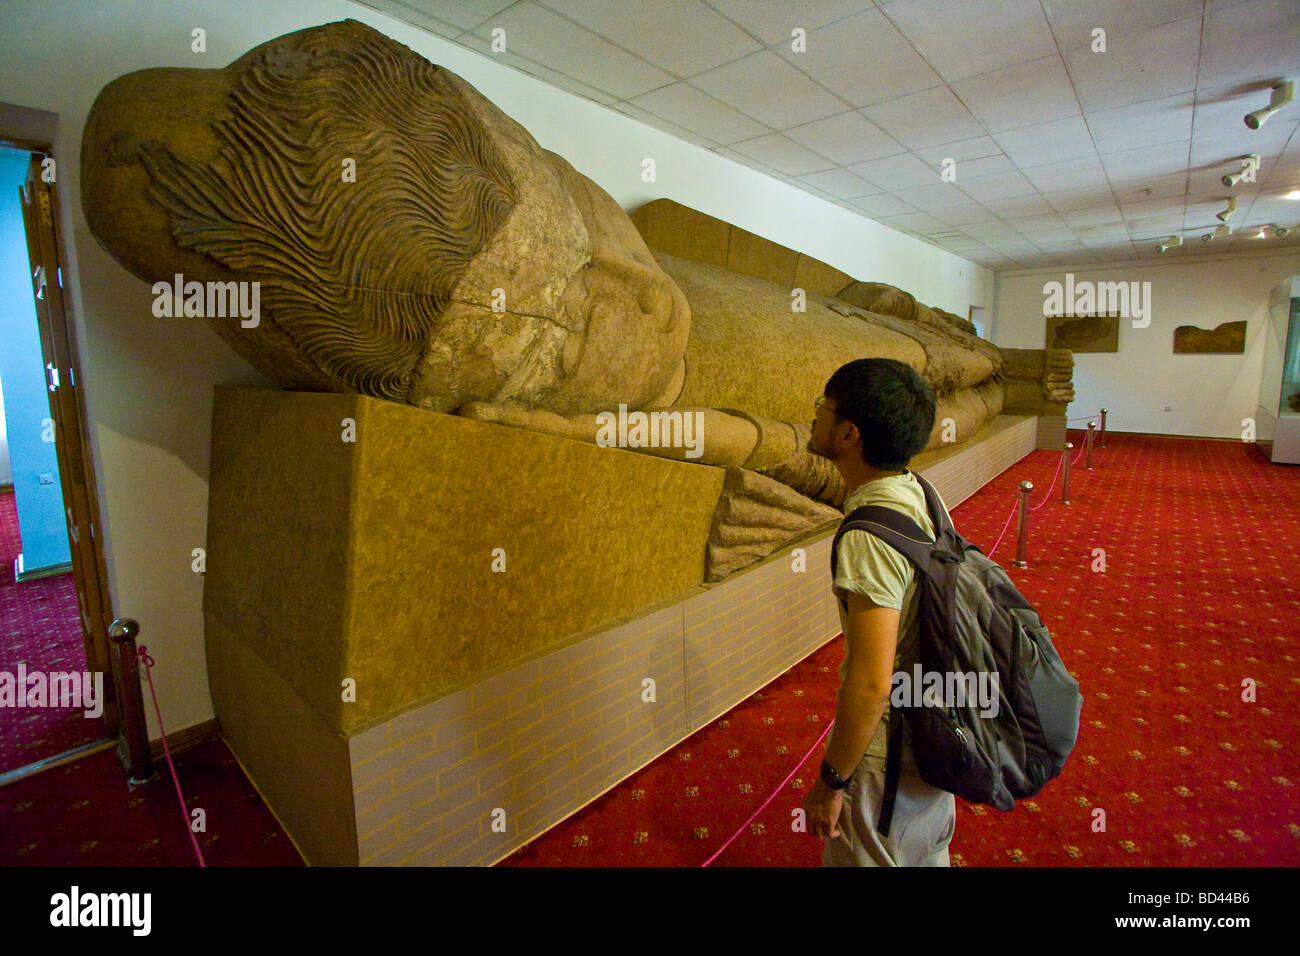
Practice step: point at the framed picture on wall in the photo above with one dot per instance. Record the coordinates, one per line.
(1084, 333)
(1226, 338)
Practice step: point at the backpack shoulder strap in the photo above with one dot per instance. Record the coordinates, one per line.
(938, 513)
(893, 527)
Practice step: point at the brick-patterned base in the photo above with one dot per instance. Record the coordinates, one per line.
(469, 778)
(1051, 433)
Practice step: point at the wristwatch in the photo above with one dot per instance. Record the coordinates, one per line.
(832, 779)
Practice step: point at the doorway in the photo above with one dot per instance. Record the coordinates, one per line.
(57, 696)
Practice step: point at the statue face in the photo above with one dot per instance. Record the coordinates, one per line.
(459, 262)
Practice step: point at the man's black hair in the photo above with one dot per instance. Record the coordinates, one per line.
(891, 405)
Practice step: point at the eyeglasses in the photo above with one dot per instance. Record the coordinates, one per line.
(821, 403)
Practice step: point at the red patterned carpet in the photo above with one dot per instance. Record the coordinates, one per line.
(39, 626)
(1200, 593)
(84, 814)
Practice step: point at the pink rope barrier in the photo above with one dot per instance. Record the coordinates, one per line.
(774, 795)
(143, 657)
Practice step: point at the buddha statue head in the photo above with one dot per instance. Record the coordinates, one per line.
(410, 241)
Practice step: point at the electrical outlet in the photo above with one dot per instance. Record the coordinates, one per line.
(46, 478)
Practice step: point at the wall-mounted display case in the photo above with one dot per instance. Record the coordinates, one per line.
(1277, 420)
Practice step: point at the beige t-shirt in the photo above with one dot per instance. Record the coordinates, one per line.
(869, 567)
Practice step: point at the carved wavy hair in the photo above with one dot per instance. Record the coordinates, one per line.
(355, 273)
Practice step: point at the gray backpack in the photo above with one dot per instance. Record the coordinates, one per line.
(973, 622)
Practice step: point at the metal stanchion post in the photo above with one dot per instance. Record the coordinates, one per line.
(133, 745)
(1022, 538)
(1065, 467)
(1103, 428)
(1087, 446)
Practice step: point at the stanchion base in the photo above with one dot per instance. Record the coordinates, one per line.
(1020, 564)
(133, 783)
(1065, 502)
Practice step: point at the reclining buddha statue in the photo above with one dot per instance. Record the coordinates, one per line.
(412, 243)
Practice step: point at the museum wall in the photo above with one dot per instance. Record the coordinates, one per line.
(148, 381)
(1208, 395)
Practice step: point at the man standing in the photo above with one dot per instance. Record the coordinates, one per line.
(875, 416)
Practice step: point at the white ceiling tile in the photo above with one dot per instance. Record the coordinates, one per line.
(752, 163)
(1084, 197)
(893, 173)
(466, 14)
(544, 73)
(1021, 95)
(658, 122)
(977, 37)
(772, 22)
(1092, 216)
(991, 232)
(965, 247)
(977, 147)
(1071, 174)
(552, 41)
(764, 86)
(840, 183)
(1148, 162)
(920, 222)
(684, 37)
(1059, 236)
(1155, 227)
(1139, 66)
(1020, 206)
(416, 13)
(934, 198)
(783, 155)
(977, 168)
(1037, 223)
(1074, 20)
(1046, 143)
(686, 106)
(925, 119)
(1147, 208)
(1240, 38)
(967, 214)
(847, 138)
(1285, 212)
(863, 59)
(1000, 186)
(881, 205)
(1149, 187)
(1166, 120)
(1267, 142)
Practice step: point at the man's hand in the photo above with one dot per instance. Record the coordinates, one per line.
(822, 806)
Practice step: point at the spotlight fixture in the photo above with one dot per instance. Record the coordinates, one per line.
(1278, 231)
(1250, 162)
(1282, 94)
(1218, 233)
(1170, 243)
(1232, 207)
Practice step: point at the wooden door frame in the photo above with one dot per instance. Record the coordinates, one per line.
(72, 435)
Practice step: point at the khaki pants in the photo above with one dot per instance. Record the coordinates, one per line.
(924, 821)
